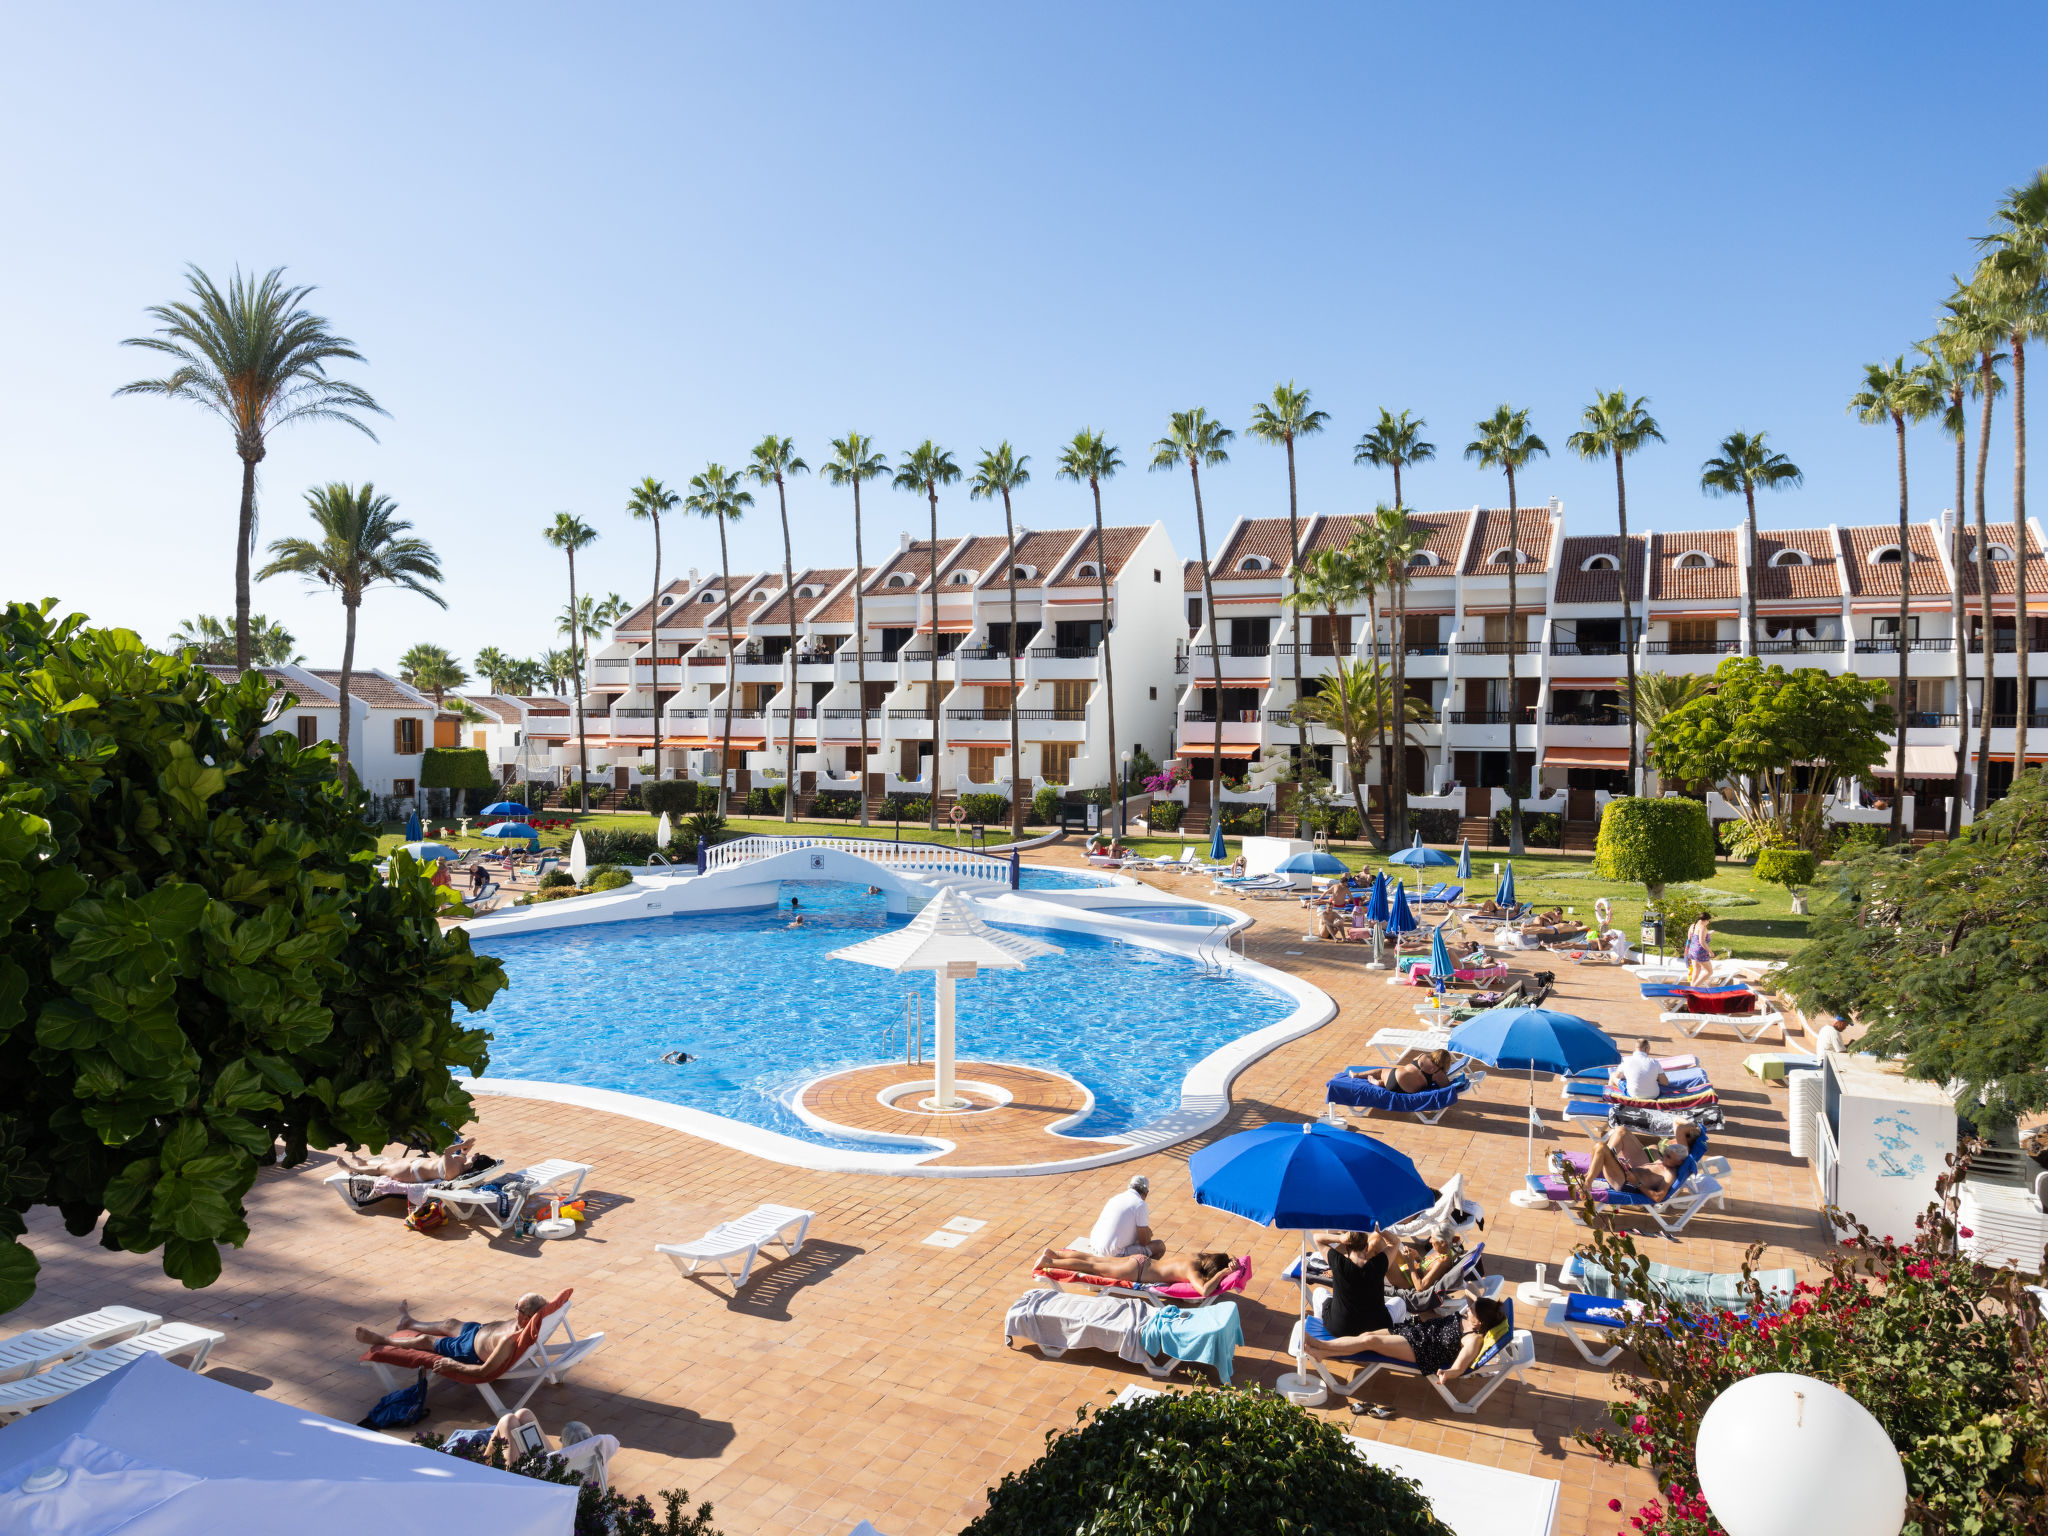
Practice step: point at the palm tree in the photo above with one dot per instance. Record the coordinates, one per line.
(363, 543)
(1504, 442)
(1396, 442)
(1399, 541)
(569, 533)
(1619, 426)
(854, 461)
(256, 359)
(432, 669)
(1331, 581)
(497, 668)
(557, 668)
(716, 494)
(1946, 360)
(2016, 265)
(997, 473)
(923, 470)
(1655, 695)
(1975, 319)
(212, 641)
(645, 503)
(1357, 700)
(1281, 420)
(774, 461)
(1197, 438)
(1090, 459)
(1893, 392)
(1366, 552)
(1744, 463)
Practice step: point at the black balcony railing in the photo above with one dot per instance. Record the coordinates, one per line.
(981, 653)
(2004, 645)
(1180, 665)
(1230, 717)
(1017, 714)
(632, 714)
(1234, 649)
(1586, 717)
(1694, 647)
(865, 655)
(1499, 647)
(1927, 720)
(2009, 722)
(1586, 647)
(1891, 645)
(912, 714)
(1063, 652)
(1784, 646)
(849, 714)
(1488, 716)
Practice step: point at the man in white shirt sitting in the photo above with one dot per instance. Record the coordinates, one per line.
(1639, 1076)
(1124, 1229)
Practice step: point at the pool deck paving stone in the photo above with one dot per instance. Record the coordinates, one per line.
(868, 1377)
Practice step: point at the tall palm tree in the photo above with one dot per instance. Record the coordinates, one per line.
(645, 503)
(1655, 695)
(1090, 459)
(1400, 542)
(1897, 393)
(2016, 266)
(1331, 581)
(569, 533)
(1504, 442)
(1366, 552)
(1619, 426)
(1976, 321)
(212, 640)
(1358, 701)
(997, 473)
(923, 470)
(1396, 442)
(255, 358)
(853, 462)
(497, 668)
(715, 493)
(773, 462)
(1745, 462)
(432, 669)
(557, 668)
(1196, 438)
(363, 543)
(1281, 420)
(1946, 360)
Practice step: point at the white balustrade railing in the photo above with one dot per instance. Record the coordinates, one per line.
(907, 858)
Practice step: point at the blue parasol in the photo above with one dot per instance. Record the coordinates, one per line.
(412, 828)
(1376, 900)
(514, 830)
(1504, 893)
(1464, 858)
(1317, 863)
(1537, 1040)
(1440, 970)
(1400, 917)
(1419, 857)
(1215, 839)
(506, 808)
(427, 853)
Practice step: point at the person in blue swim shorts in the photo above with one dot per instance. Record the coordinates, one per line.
(483, 1345)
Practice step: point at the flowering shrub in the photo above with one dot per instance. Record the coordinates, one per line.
(1941, 1350)
(1163, 781)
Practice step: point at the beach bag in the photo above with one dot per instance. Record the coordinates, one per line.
(398, 1410)
(427, 1216)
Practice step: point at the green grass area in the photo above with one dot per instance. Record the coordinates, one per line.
(393, 833)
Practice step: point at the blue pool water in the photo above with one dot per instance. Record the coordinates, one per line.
(1192, 917)
(763, 1011)
(1030, 879)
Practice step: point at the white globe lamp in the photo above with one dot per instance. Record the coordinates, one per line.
(1785, 1455)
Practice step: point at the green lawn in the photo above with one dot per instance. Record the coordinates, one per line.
(393, 833)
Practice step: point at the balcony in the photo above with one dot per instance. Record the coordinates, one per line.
(1891, 645)
(1500, 647)
(1010, 714)
(911, 714)
(705, 661)
(2004, 645)
(1063, 652)
(851, 714)
(1238, 650)
(1694, 647)
(1585, 717)
(1586, 647)
(2009, 722)
(1829, 646)
(603, 672)
(1238, 717)
(1929, 720)
(632, 722)
(1488, 716)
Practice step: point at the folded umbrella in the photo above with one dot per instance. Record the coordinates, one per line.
(1464, 858)
(1215, 837)
(1504, 893)
(1400, 916)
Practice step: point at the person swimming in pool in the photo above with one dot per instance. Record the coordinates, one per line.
(468, 1351)
(1201, 1269)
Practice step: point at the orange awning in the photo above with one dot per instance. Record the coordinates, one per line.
(1196, 750)
(948, 627)
(2006, 757)
(1585, 757)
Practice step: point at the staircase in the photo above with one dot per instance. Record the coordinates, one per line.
(1581, 836)
(1477, 830)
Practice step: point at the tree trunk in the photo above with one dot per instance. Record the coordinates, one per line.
(1514, 692)
(576, 660)
(1215, 658)
(1628, 640)
(348, 668)
(1987, 376)
(654, 643)
(860, 654)
(789, 719)
(1294, 621)
(2021, 639)
(1351, 753)
(1372, 611)
(1016, 771)
(245, 535)
(1955, 560)
(1116, 772)
(1749, 593)
(1397, 802)
(1898, 832)
(932, 703)
(731, 678)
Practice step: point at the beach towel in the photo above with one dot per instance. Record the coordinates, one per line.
(1208, 1337)
(1692, 1287)
(1718, 999)
(1054, 1320)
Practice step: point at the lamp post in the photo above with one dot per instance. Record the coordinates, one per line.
(1785, 1455)
(1123, 782)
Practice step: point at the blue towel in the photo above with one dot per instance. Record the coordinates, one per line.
(1208, 1335)
(1581, 1308)
(1362, 1093)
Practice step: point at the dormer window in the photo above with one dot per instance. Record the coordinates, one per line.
(1421, 559)
(2001, 554)
(1695, 560)
(762, 597)
(960, 579)
(1088, 570)
(1025, 572)
(1791, 557)
(708, 597)
(898, 580)
(1255, 563)
(1601, 563)
(1888, 554)
(666, 601)
(1504, 556)
(806, 591)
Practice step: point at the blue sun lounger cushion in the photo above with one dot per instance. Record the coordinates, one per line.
(1362, 1093)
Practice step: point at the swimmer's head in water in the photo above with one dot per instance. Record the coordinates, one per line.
(678, 1058)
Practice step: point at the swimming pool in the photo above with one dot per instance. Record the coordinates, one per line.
(1040, 878)
(762, 1010)
(1189, 917)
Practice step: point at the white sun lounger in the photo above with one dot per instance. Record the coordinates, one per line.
(1509, 1357)
(41, 1348)
(1750, 1027)
(549, 1360)
(740, 1242)
(180, 1342)
(542, 1178)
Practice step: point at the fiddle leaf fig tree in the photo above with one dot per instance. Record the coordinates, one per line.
(198, 959)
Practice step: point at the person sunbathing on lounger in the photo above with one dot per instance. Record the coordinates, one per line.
(1201, 1269)
(468, 1351)
(1411, 1267)
(1445, 1345)
(1430, 1070)
(1627, 1164)
(452, 1164)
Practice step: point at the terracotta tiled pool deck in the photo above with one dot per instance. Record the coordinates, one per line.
(868, 1378)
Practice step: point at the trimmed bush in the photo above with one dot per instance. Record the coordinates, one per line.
(1793, 868)
(456, 768)
(1247, 820)
(765, 800)
(1345, 825)
(607, 880)
(1045, 807)
(1164, 816)
(555, 878)
(907, 808)
(678, 797)
(555, 892)
(986, 810)
(843, 803)
(1654, 843)
(1544, 829)
(1436, 826)
(533, 794)
(1204, 1461)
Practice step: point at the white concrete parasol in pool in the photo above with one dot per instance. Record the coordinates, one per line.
(946, 937)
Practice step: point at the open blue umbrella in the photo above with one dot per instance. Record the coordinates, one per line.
(1302, 1177)
(1464, 858)
(1215, 839)
(1504, 893)
(512, 830)
(1536, 1040)
(427, 853)
(412, 828)
(506, 808)
(1419, 857)
(1317, 863)
(1400, 916)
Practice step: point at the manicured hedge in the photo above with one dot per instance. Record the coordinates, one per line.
(1540, 829)
(1654, 842)
(456, 768)
(1793, 868)
(986, 810)
(678, 797)
(1045, 807)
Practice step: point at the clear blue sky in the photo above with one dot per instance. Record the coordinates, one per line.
(579, 247)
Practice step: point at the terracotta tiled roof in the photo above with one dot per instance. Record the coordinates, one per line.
(696, 612)
(227, 672)
(1820, 578)
(377, 692)
(1532, 538)
(500, 708)
(839, 610)
(1669, 583)
(1262, 537)
(915, 562)
(1118, 544)
(983, 555)
(2002, 571)
(1867, 580)
(1191, 580)
(1575, 585)
(1039, 550)
(547, 704)
(637, 619)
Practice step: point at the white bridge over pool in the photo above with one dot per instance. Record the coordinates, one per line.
(924, 861)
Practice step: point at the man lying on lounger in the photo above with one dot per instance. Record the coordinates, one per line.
(468, 1351)
(1627, 1163)
(452, 1164)
(1203, 1269)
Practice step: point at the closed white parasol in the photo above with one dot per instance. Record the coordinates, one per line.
(947, 938)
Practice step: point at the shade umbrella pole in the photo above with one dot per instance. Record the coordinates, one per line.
(1300, 1384)
(944, 1097)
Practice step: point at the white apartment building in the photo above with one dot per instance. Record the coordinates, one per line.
(928, 676)
(391, 724)
(1827, 597)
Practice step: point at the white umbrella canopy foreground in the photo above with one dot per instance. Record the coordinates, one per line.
(663, 833)
(947, 938)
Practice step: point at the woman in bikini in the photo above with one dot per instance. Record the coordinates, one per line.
(1431, 1070)
(452, 1164)
(1205, 1270)
(1445, 1346)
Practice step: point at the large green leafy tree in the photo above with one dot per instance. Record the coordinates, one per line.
(1943, 955)
(198, 959)
(1761, 724)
